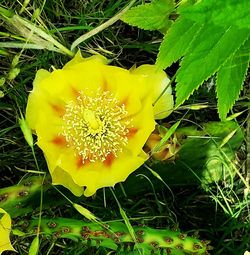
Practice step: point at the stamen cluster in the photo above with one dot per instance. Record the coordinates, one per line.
(94, 126)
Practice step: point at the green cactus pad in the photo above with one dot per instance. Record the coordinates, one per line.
(114, 235)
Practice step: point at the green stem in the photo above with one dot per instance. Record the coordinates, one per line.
(18, 45)
(6, 13)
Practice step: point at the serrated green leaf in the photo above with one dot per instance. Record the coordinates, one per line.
(150, 16)
(230, 78)
(176, 42)
(211, 48)
(221, 13)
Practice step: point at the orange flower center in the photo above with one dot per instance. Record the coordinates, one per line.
(95, 126)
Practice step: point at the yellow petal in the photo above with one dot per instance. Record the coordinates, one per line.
(128, 89)
(60, 177)
(79, 59)
(157, 81)
(164, 106)
(95, 175)
(40, 76)
(143, 123)
(103, 176)
(32, 108)
(5, 228)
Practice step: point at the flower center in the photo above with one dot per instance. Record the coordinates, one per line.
(91, 120)
(95, 126)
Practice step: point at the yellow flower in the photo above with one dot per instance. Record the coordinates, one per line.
(158, 82)
(91, 121)
(5, 227)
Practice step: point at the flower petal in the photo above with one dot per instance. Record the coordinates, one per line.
(143, 125)
(33, 101)
(5, 227)
(107, 176)
(60, 177)
(157, 81)
(79, 59)
(95, 175)
(40, 76)
(128, 89)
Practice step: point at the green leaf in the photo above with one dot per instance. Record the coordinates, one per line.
(27, 133)
(168, 134)
(85, 212)
(150, 16)
(234, 116)
(210, 49)
(6, 13)
(34, 247)
(176, 42)
(230, 78)
(18, 232)
(127, 223)
(221, 13)
(227, 138)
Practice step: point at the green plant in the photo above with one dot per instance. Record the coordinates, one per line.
(115, 236)
(203, 186)
(209, 37)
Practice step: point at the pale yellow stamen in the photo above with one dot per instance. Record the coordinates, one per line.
(94, 126)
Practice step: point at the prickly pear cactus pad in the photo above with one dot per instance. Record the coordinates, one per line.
(115, 236)
(201, 153)
(24, 197)
(110, 235)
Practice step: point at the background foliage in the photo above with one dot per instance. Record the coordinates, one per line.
(210, 38)
(196, 41)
